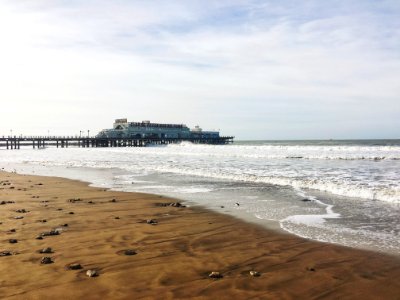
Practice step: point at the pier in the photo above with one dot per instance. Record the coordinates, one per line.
(40, 142)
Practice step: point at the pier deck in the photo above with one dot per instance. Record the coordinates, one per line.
(66, 141)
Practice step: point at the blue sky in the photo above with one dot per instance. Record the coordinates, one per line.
(254, 69)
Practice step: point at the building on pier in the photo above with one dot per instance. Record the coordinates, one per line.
(146, 129)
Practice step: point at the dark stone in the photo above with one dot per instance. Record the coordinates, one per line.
(5, 253)
(117, 218)
(73, 200)
(311, 269)
(130, 252)
(46, 260)
(91, 202)
(113, 200)
(22, 211)
(74, 266)
(71, 212)
(13, 241)
(305, 200)
(173, 204)
(12, 230)
(51, 232)
(151, 221)
(39, 237)
(215, 275)
(176, 204)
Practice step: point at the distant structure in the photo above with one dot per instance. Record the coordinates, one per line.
(123, 134)
(146, 129)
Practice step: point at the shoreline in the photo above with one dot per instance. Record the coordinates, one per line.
(174, 257)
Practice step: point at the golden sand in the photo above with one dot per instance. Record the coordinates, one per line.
(174, 256)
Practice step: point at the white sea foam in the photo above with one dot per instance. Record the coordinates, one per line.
(362, 171)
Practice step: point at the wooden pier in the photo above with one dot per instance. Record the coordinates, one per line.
(40, 142)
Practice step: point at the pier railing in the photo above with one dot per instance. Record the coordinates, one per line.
(16, 142)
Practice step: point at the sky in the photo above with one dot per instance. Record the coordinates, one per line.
(253, 69)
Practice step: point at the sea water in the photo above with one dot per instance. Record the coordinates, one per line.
(345, 192)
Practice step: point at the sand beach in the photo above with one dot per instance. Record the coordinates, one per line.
(173, 250)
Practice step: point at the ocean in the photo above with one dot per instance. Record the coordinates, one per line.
(345, 192)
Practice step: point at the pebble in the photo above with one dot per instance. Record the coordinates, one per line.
(92, 273)
(18, 217)
(73, 200)
(130, 252)
(46, 260)
(5, 253)
(13, 241)
(215, 275)
(74, 266)
(46, 250)
(151, 221)
(255, 273)
(51, 232)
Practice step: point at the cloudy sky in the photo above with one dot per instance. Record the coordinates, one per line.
(254, 69)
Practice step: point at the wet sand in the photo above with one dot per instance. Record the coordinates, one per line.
(172, 258)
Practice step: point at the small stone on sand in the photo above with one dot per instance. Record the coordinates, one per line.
(255, 273)
(46, 250)
(130, 252)
(13, 241)
(215, 275)
(5, 253)
(46, 260)
(152, 222)
(74, 266)
(92, 273)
